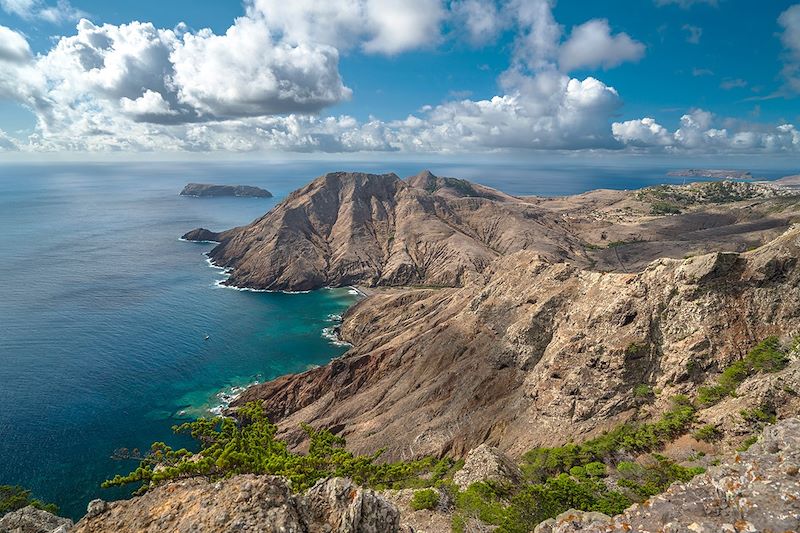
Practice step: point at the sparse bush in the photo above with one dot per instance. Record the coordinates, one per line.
(766, 356)
(708, 433)
(654, 477)
(759, 416)
(643, 391)
(746, 443)
(425, 499)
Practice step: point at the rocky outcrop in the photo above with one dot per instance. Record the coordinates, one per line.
(246, 503)
(32, 520)
(756, 491)
(485, 463)
(534, 344)
(201, 235)
(204, 190)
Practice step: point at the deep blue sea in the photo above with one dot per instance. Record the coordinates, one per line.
(103, 311)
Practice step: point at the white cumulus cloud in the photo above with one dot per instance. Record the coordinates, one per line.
(789, 20)
(61, 11)
(14, 48)
(592, 45)
(698, 134)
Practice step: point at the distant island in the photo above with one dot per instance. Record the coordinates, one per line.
(204, 190)
(711, 173)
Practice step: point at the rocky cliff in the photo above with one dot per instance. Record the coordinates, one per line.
(529, 318)
(534, 344)
(379, 230)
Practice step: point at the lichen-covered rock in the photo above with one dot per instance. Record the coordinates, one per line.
(755, 491)
(246, 503)
(337, 505)
(32, 520)
(486, 463)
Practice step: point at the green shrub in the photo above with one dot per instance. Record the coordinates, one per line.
(228, 448)
(425, 499)
(643, 391)
(766, 356)
(13, 498)
(664, 208)
(759, 416)
(746, 443)
(483, 501)
(711, 395)
(653, 477)
(541, 463)
(708, 433)
(538, 502)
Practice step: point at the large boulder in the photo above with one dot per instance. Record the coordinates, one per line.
(485, 463)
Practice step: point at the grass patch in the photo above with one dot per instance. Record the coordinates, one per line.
(746, 443)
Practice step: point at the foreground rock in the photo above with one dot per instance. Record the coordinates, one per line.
(32, 520)
(245, 503)
(204, 190)
(757, 491)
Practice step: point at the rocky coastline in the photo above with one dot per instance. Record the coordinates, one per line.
(494, 325)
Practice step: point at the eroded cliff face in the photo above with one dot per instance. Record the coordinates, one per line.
(351, 228)
(517, 321)
(531, 352)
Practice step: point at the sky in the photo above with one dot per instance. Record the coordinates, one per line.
(702, 77)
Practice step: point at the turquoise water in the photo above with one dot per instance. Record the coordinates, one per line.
(103, 311)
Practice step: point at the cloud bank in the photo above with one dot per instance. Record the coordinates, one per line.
(266, 82)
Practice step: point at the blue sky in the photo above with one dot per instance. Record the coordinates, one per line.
(672, 75)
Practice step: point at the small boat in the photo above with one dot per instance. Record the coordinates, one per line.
(206, 337)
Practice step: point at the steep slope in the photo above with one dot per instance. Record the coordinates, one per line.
(534, 344)
(349, 228)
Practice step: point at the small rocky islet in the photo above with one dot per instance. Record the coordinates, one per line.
(656, 329)
(205, 190)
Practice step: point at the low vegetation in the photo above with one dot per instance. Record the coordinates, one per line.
(556, 479)
(767, 356)
(249, 446)
(13, 498)
(425, 499)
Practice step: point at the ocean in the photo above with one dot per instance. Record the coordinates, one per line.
(104, 311)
